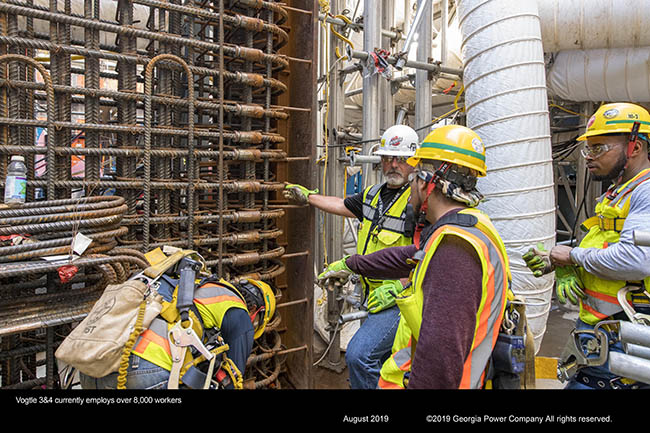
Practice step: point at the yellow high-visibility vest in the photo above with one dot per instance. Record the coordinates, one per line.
(487, 243)
(380, 230)
(604, 229)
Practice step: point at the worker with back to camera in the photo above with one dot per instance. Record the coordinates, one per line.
(607, 259)
(223, 315)
(452, 311)
(381, 210)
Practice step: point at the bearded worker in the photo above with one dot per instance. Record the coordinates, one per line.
(381, 211)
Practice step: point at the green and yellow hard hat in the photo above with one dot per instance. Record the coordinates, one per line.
(617, 118)
(455, 144)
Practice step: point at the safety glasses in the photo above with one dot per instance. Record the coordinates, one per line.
(422, 174)
(595, 151)
(388, 159)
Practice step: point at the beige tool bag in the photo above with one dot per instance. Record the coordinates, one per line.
(123, 311)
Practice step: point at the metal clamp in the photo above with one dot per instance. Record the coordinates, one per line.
(180, 338)
(574, 356)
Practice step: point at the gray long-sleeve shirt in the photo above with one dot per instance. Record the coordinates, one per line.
(622, 260)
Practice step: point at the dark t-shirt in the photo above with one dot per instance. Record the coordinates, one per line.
(452, 289)
(354, 203)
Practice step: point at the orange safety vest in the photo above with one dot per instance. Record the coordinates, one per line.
(495, 286)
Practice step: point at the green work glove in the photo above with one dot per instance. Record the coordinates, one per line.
(337, 269)
(538, 260)
(298, 193)
(568, 285)
(383, 297)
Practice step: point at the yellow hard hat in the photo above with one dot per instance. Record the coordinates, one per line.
(456, 144)
(617, 118)
(261, 295)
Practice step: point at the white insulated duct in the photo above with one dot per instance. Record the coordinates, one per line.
(588, 24)
(601, 49)
(506, 104)
(619, 74)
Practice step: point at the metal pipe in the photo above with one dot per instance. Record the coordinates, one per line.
(637, 350)
(431, 67)
(641, 238)
(396, 36)
(634, 333)
(372, 14)
(355, 159)
(423, 81)
(630, 367)
(423, 6)
(356, 315)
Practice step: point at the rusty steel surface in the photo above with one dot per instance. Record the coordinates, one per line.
(146, 123)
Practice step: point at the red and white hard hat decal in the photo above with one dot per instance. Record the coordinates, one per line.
(395, 141)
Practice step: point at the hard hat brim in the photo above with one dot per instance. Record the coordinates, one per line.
(392, 153)
(413, 161)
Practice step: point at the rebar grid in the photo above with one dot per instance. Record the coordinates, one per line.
(169, 106)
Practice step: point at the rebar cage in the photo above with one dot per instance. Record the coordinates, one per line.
(144, 124)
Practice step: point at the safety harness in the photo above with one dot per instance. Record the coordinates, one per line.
(182, 336)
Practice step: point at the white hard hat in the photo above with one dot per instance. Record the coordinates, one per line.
(398, 140)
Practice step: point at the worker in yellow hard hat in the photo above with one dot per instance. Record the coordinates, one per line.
(451, 311)
(607, 260)
(382, 213)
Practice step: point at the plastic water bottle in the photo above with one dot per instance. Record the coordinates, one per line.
(16, 182)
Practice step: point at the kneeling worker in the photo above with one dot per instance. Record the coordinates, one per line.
(452, 311)
(223, 314)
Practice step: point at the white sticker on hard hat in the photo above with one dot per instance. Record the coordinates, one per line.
(610, 113)
(477, 145)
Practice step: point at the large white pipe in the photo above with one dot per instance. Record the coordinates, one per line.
(601, 49)
(588, 24)
(619, 74)
(506, 104)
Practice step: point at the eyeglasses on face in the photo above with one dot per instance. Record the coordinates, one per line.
(421, 174)
(390, 158)
(596, 150)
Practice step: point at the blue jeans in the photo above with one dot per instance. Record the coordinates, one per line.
(370, 346)
(141, 374)
(597, 375)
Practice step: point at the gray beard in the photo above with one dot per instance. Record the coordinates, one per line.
(395, 180)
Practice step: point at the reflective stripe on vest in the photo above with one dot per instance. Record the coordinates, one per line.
(392, 222)
(495, 284)
(393, 372)
(601, 301)
(212, 302)
(390, 233)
